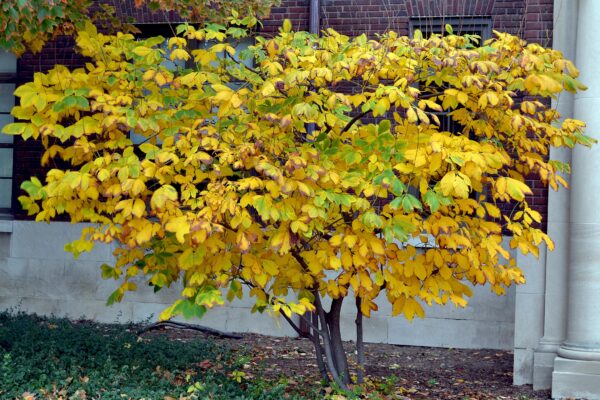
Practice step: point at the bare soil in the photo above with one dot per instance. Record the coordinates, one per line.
(397, 372)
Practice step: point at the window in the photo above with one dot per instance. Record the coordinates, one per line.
(480, 26)
(166, 31)
(8, 70)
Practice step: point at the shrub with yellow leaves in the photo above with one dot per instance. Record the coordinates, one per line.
(259, 168)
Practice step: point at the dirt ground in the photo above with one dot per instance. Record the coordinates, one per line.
(404, 372)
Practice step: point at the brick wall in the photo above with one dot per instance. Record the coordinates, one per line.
(531, 19)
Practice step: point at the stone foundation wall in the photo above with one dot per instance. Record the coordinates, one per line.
(38, 276)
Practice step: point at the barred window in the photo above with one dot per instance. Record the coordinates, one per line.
(479, 26)
(8, 72)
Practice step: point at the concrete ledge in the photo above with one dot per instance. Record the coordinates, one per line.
(6, 226)
(446, 332)
(576, 379)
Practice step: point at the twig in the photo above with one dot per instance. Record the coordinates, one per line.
(182, 325)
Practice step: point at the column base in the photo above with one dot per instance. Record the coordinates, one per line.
(576, 379)
(543, 366)
(522, 367)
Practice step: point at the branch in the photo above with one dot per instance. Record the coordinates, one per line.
(293, 325)
(288, 319)
(353, 120)
(238, 62)
(313, 326)
(182, 325)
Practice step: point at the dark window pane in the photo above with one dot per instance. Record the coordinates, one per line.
(5, 192)
(4, 120)
(6, 163)
(7, 99)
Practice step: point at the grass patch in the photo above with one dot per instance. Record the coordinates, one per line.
(53, 358)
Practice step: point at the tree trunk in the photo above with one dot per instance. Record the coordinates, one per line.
(333, 321)
(360, 346)
(316, 338)
(327, 343)
(326, 336)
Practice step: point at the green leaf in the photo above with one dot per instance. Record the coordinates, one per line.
(189, 309)
(15, 128)
(372, 220)
(115, 297)
(352, 157)
(79, 246)
(209, 296)
(109, 272)
(57, 12)
(384, 126)
(410, 202)
(32, 187)
(396, 203)
(431, 199)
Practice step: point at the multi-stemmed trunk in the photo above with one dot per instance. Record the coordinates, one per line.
(325, 333)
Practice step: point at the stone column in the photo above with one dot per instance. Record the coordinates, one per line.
(577, 367)
(564, 38)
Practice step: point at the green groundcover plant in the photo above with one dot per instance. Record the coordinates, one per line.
(57, 359)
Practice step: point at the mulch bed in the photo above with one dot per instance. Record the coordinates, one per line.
(405, 372)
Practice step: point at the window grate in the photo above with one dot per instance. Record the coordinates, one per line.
(8, 79)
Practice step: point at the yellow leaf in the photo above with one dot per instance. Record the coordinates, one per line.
(379, 279)
(103, 175)
(445, 272)
(377, 247)
(350, 240)
(142, 51)
(435, 162)
(137, 187)
(242, 241)
(398, 305)
(268, 89)
(336, 240)
(160, 79)
(514, 188)
(139, 206)
(145, 234)
(411, 115)
(456, 184)
(297, 226)
(149, 75)
(335, 263)
(177, 41)
(162, 195)
(492, 98)
(412, 307)
(492, 210)
(483, 101)
(179, 54)
(180, 226)
(270, 267)
(346, 259)
(420, 271)
(281, 241)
